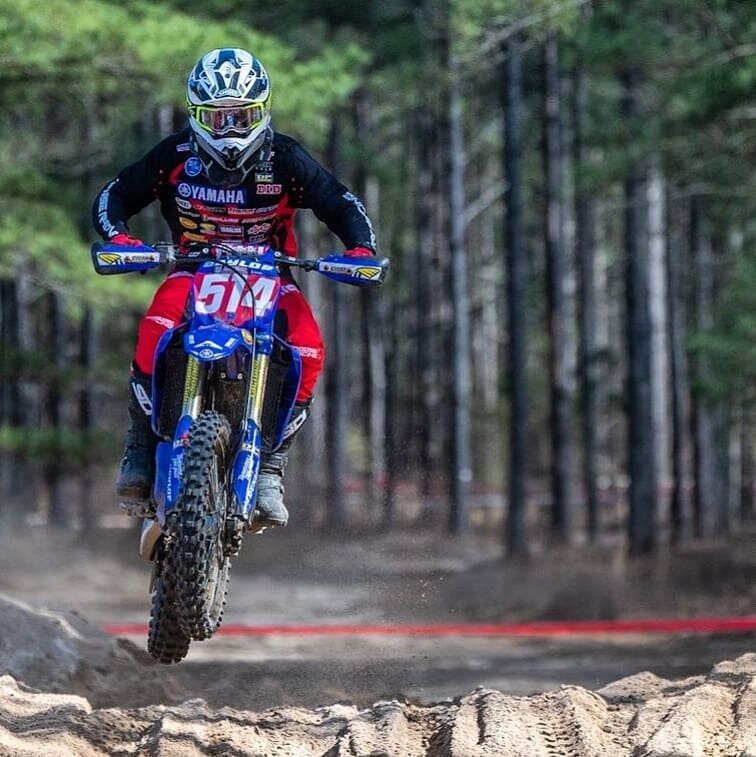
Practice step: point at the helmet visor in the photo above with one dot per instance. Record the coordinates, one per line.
(235, 119)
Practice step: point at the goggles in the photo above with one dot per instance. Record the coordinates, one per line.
(226, 120)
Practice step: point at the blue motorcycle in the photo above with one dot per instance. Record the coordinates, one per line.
(223, 390)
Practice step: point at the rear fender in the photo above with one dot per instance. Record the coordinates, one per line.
(151, 533)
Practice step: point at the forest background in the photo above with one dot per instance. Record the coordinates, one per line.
(565, 349)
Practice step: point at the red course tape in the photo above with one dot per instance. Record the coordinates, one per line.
(546, 628)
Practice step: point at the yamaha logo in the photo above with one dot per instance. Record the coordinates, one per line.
(193, 167)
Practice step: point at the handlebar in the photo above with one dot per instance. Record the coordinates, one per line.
(110, 259)
(198, 252)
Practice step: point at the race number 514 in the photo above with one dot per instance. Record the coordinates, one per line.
(222, 293)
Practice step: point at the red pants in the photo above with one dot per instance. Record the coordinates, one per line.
(167, 310)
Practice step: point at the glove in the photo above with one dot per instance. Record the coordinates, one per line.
(359, 252)
(127, 240)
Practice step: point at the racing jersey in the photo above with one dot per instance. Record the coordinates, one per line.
(258, 211)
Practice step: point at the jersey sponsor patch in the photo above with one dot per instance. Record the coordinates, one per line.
(313, 352)
(183, 147)
(269, 189)
(214, 194)
(260, 228)
(182, 203)
(144, 399)
(349, 197)
(164, 322)
(266, 178)
(266, 212)
(187, 223)
(102, 210)
(230, 229)
(212, 218)
(193, 167)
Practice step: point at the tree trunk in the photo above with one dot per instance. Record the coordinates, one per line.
(585, 248)
(658, 298)
(372, 309)
(87, 416)
(425, 335)
(11, 403)
(307, 471)
(641, 447)
(461, 474)
(747, 465)
(677, 259)
(442, 355)
(710, 417)
(391, 443)
(372, 305)
(53, 469)
(559, 420)
(337, 395)
(516, 284)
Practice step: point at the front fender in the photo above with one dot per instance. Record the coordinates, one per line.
(216, 341)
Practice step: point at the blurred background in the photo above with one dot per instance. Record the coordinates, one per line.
(564, 352)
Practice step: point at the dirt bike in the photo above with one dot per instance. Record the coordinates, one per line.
(223, 392)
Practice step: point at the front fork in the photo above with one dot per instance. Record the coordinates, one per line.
(247, 461)
(194, 388)
(256, 393)
(170, 457)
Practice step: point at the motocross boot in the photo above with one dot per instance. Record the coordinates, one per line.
(134, 484)
(271, 510)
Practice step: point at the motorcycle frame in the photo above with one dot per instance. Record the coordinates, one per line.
(210, 342)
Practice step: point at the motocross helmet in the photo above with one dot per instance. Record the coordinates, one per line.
(228, 96)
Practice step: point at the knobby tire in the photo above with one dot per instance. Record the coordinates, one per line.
(196, 543)
(166, 641)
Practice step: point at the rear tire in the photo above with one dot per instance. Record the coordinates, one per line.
(197, 543)
(166, 641)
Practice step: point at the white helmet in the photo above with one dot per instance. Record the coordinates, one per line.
(228, 95)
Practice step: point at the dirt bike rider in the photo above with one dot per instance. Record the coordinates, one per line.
(227, 177)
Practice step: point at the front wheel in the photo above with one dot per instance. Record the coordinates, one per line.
(198, 528)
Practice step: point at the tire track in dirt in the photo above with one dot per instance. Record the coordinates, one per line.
(641, 716)
(387, 728)
(699, 722)
(745, 717)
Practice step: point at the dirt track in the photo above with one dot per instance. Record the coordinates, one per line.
(644, 715)
(105, 696)
(639, 716)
